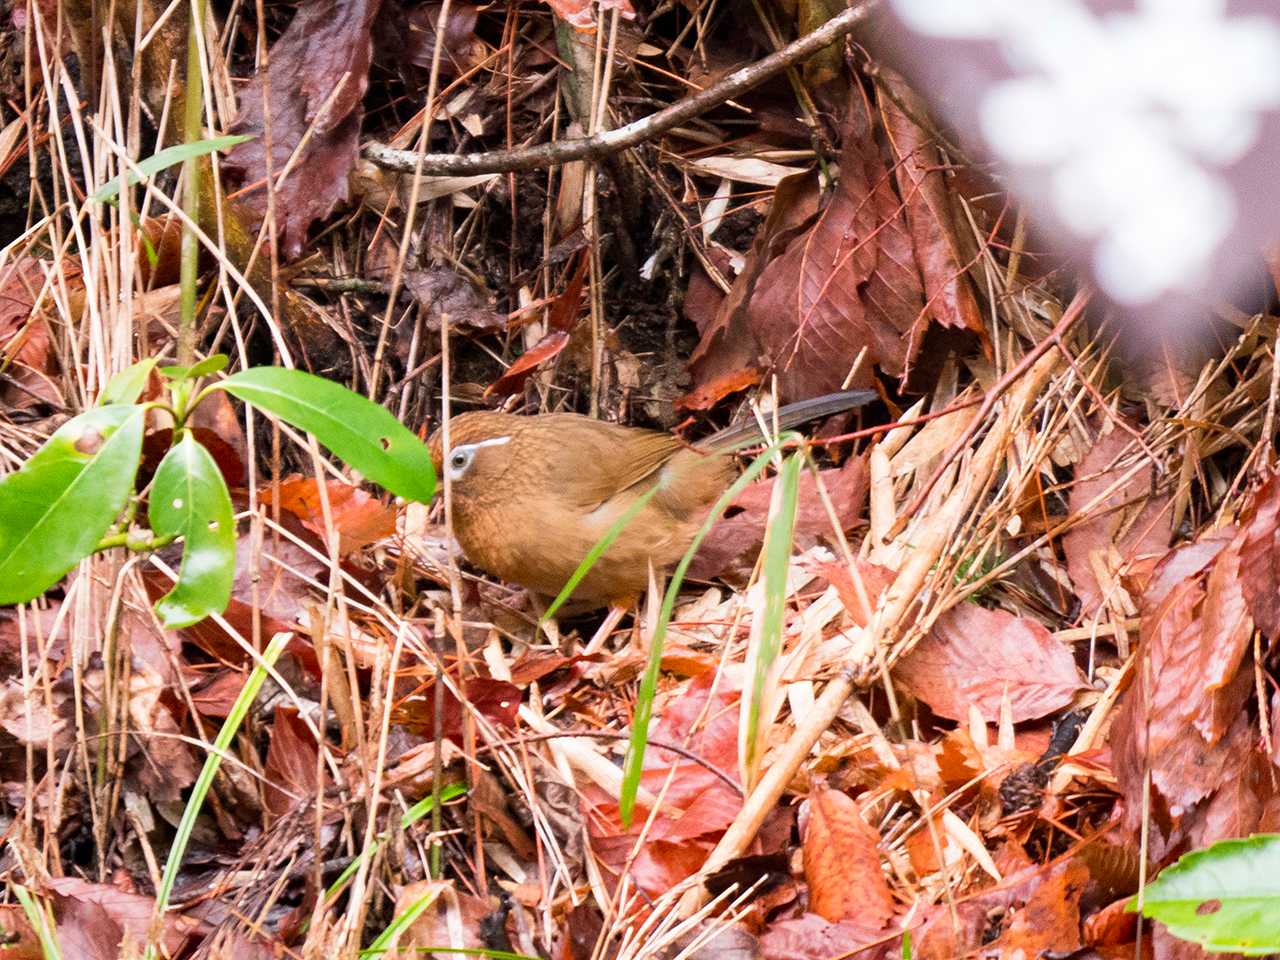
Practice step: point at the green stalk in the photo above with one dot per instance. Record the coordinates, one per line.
(193, 114)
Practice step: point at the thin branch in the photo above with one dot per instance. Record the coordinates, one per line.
(613, 141)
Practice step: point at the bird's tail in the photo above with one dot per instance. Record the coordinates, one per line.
(792, 415)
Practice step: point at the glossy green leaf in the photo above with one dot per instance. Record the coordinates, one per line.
(168, 157)
(56, 508)
(189, 499)
(127, 385)
(208, 365)
(1225, 898)
(359, 431)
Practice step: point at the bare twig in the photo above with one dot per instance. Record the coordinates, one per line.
(613, 141)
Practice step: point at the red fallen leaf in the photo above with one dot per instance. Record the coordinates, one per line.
(1050, 921)
(157, 443)
(580, 14)
(1182, 711)
(875, 580)
(318, 73)
(810, 937)
(702, 718)
(1128, 521)
(849, 283)
(948, 296)
(974, 656)
(131, 913)
(495, 700)
(842, 862)
(290, 767)
(512, 380)
(1260, 559)
(708, 394)
(728, 353)
(738, 535)
(25, 342)
(359, 517)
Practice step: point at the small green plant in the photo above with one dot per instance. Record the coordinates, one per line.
(77, 494)
(1225, 897)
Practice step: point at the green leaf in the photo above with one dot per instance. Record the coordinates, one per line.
(359, 431)
(189, 499)
(168, 157)
(56, 508)
(1225, 898)
(208, 365)
(127, 385)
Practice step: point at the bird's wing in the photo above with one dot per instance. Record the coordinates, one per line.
(604, 459)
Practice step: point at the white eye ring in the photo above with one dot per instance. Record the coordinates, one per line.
(462, 456)
(460, 460)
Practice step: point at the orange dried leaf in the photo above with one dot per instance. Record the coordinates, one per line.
(842, 862)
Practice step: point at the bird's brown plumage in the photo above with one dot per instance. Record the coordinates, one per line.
(532, 495)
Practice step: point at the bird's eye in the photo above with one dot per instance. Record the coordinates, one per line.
(460, 460)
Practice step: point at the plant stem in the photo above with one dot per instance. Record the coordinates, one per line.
(193, 103)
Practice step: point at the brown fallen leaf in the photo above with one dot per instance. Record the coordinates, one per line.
(442, 291)
(290, 767)
(317, 74)
(974, 657)
(1049, 923)
(849, 283)
(948, 297)
(1125, 524)
(1260, 559)
(842, 862)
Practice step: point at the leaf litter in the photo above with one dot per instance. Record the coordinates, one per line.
(1059, 651)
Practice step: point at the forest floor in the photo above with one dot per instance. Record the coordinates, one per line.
(1015, 661)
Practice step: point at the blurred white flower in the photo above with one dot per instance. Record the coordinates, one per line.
(1133, 112)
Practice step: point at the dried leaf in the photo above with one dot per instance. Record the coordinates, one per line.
(949, 298)
(581, 14)
(974, 657)
(842, 862)
(849, 283)
(290, 767)
(317, 75)
(1260, 559)
(1126, 524)
(1050, 921)
(442, 291)
(359, 517)
(514, 377)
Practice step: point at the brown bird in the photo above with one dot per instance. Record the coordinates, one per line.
(532, 495)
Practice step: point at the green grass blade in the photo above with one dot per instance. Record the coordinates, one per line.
(363, 434)
(411, 816)
(387, 938)
(778, 540)
(239, 710)
(633, 765)
(41, 919)
(168, 157)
